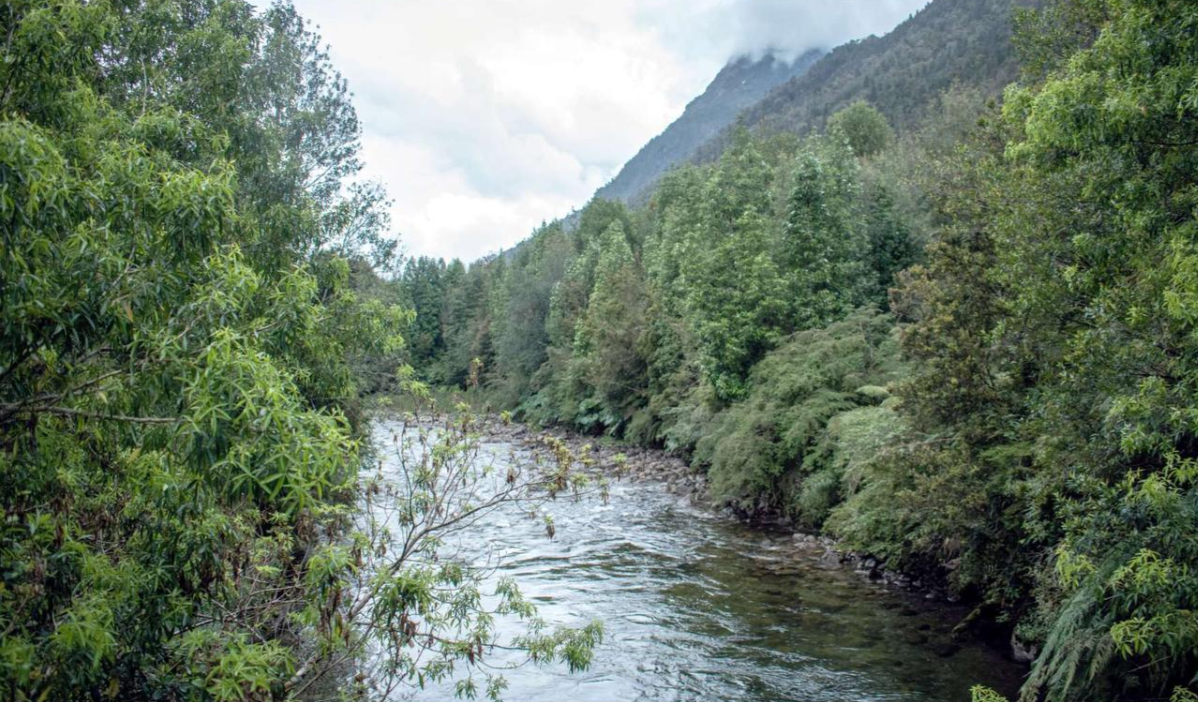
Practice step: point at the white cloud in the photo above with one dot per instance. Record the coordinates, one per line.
(788, 27)
(485, 118)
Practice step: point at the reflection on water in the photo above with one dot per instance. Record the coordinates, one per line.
(698, 607)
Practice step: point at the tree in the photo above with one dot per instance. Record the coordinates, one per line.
(1117, 120)
(424, 293)
(171, 403)
(608, 339)
(307, 117)
(864, 126)
(765, 454)
(823, 244)
(537, 266)
(177, 400)
(468, 331)
(676, 209)
(735, 304)
(892, 246)
(1052, 325)
(734, 291)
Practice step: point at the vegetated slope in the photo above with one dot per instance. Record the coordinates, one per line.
(738, 85)
(902, 73)
(1018, 427)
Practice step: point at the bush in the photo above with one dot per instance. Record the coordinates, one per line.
(762, 452)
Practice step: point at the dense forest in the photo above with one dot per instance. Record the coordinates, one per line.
(963, 343)
(962, 42)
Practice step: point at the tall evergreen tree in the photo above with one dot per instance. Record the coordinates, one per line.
(610, 353)
(734, 293)
(824, 251)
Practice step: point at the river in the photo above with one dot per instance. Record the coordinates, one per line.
(697, 606)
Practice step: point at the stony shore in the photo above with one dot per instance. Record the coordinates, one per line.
(649, 465)
(658, 466)
(676, 476)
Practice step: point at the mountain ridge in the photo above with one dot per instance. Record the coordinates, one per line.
(902, 73)
(740, 83)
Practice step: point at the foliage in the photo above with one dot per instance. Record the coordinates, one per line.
(1133, 162)
(608, 353)
(824, 249)
(763, 452)
(984, 694)
(1051, 341)
(867, 130)
(403, 602)
(423, 293)
(190, 313)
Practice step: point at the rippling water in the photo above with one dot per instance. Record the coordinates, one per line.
(698, 607)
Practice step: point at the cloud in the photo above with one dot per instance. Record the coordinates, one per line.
(485, 118)
(787, 27)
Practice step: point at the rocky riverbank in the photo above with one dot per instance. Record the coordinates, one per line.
(677, 477)
(656, 465)
(649, 465)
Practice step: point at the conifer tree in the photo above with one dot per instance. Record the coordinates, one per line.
(823, 244)
(609, 352)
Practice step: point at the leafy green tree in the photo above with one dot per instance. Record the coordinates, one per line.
(178, 340)
(169, 400)
(1118, 120)
(865, 127)
(424, 293)
(768, 452)
(467, 325)
(453, 307)
(608, 339)
(824, 249)
(1051, 330)
(596, 218)
(735, 303)
(892, 245)
(740, 183)
(534, 269)
(734, 291)
(676, 210)
(500, 284)
(565, 278)
(308, 120)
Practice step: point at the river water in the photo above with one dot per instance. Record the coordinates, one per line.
(697, 606)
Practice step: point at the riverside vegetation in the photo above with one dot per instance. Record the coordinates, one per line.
(967, 348)
(190, 315)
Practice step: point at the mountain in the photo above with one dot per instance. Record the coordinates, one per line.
(737, 86)
(965, 42)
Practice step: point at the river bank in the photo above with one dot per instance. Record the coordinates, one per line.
(696, 604)
(633, 463)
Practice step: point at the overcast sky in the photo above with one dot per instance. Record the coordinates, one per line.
(486, 117)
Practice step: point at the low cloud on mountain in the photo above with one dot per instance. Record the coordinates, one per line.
(486, 117)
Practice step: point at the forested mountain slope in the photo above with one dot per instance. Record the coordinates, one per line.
(738, 85)
(965, 42)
